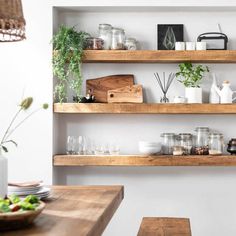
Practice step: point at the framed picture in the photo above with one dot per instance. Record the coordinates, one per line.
(167, 35)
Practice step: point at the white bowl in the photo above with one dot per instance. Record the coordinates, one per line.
(149, 144)
(149, 148)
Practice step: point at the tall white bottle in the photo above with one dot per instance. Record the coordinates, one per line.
(214, 96)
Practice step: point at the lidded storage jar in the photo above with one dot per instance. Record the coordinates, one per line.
(118, 39)
(105, 34)
(202, 140)
(94, 44)
(168, 143)
(186, 141)
(131, 44)
(216, 144)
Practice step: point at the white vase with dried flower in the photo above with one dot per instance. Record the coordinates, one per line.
(24, 105)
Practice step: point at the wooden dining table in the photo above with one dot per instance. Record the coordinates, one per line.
(75, 211)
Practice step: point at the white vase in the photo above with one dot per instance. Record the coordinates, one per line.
(3, 176)
(193, 95)
(214, 96)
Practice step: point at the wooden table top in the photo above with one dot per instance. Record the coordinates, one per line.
(75, 211)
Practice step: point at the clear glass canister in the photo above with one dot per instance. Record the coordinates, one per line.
(168, 143)
(131, 44)
(178, 151)
(118, 39)
(216, 144)
(105, 34)
(186, 141)
(201, 146)
(94, 44)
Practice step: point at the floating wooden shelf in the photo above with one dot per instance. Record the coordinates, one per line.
(137, 160)
(145, 108)
(159, 56)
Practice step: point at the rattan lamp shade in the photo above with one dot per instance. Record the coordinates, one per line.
(12, 22)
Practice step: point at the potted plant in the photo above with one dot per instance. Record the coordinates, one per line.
(6, 139)
(191, 76)
(68, 45)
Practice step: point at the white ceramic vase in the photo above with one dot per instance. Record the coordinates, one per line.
(193, 95)
(3, 175)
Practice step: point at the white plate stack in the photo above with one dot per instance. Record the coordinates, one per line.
(23, 189)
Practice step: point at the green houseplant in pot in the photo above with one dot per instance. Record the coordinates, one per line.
(6, 139)
(68, 45)
(191, 77)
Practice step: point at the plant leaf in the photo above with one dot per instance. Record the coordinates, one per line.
(12, 141)
(4, 149)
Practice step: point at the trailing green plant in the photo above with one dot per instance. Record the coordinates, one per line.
(191, 76)
(68, 45)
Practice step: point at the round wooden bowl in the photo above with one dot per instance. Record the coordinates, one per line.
(16, 220)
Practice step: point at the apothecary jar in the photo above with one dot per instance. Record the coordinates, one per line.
(105, 34)
(216, 144)
(118, 39)
(168, 143)
(185, 141)
(201, 146)
(131, 44)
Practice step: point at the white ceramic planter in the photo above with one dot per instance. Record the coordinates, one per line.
(193, 95)
(190, 46)
(3, 176)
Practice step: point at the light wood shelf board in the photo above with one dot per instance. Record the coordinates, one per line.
(159, 56)
(144, 108)
(139, 160)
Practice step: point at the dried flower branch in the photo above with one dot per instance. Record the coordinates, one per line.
(24, 105)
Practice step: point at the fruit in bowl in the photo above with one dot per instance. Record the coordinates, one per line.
(149, 148)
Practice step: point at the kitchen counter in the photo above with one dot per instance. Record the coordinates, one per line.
(75, 211)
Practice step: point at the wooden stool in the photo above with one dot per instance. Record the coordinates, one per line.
(158, 226)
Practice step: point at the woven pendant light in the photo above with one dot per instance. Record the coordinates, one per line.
(12, 22)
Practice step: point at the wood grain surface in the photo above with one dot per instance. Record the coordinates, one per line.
(159, 56)
(128, 94)
(75, 211)
(145, 108)
(100, 86)
(140, 160)
(162, 226)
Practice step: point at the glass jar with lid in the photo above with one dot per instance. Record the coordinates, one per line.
(169, 141)
(178, 151)
(131, 44)
(201, 146)
(94, 43)
(118, 39)
(105, 34)
(216, 144)
(186, 141)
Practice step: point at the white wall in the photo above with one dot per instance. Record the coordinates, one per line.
(26, 66)
(205, 195)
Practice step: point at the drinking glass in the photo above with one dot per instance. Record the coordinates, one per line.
(114, 149)
(71, 145)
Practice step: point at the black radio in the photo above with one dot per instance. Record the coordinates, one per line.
(214, 40)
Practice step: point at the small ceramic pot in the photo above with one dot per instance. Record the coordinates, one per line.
(179, 99)
(180, 46)
(190, 46)
(232, 146)
(201, 46)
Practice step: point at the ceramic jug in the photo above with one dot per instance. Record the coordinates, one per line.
(226, 93)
